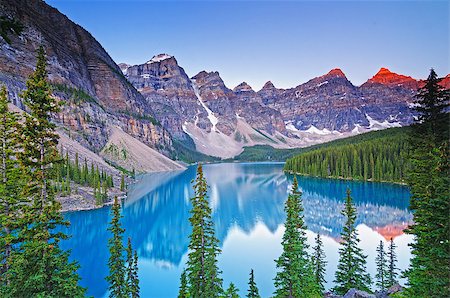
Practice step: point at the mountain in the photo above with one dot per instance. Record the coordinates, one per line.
(96, 95)
(162, 107)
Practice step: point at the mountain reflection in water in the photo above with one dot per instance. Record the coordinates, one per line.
(247, 200)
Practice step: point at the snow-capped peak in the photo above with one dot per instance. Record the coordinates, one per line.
(159, 58)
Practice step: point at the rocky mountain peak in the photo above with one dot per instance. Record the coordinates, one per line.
(336, 72)
(158, 58)
(268, 85)
(386, 77)
(243, 87)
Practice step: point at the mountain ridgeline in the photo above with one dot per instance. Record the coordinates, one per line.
(375, 156)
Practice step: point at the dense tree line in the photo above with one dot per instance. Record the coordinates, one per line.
(383, 158)
(68, 171)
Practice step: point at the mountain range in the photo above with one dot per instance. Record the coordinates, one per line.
(122, 112)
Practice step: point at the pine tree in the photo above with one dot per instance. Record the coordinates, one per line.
(132, 272)
(295, 276)
(351, 272)
(253, 291)
(116, 262)
(203, 273)
(392, 264)
(41, 268)
(11, 199)
(319, 263)
(380, 262)
(184, 288)
(122, 183)
(429, 178)
(232, 291)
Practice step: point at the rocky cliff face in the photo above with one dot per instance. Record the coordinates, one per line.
(83, 75)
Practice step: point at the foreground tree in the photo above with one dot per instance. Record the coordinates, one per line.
(116, 263)
(351, 272)
(295, 276)
(380, 262)
(203, 273)
(232, 291)
(41, 268)
(319, 263)
(132, 272)
(253, 291)
(429, 181)
(184, 288)
(11, 200)
(392, 265)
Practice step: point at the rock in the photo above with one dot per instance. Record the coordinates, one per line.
(354, 293)
(394, 289)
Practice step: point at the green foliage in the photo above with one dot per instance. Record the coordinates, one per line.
(351, 272)
(132, 278)
(116, 263)
(141, 116)
(68, 171)
(203, 273)
(188, 154)
(380, 261)
(40, 268)
(11, 199)
(253, 291)
(429, 180)
(319, 263)
(76, 95)
(383, 157)
(8, 26)
(184, 288)
(232, 291)
(392, 265)
(295, 275)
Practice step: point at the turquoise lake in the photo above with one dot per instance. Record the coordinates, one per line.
(247, 200)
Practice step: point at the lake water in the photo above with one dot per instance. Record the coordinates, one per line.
(247, 200)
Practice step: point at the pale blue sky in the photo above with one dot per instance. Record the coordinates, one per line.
(287, 42)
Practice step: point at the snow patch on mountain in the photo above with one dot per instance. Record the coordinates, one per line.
(212, 118)
(159, 58)
(374, 124)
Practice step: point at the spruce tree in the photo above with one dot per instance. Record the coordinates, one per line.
(295, 275)
(11, 199)
(184, 288)
(253, 291)
(203, 273)
(319, 263)
(132, 278)
(351, 272)
(380, 262)
(122, 183)
(392, 264)
(429, 180)
(232, 291)
(116, 263)
(41, 268)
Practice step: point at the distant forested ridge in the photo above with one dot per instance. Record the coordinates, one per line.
(374, 156)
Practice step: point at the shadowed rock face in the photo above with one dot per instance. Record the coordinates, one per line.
(96, 93)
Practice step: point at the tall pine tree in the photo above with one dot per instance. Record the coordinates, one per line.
(319, 263)
(116, 263)
(380, 262)
(253, 291)
(203, 273)
(41, 268)
(429, 180)
(11, 200)
(392, 264)
(295, 275)
(132, 272)
(351, 272)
